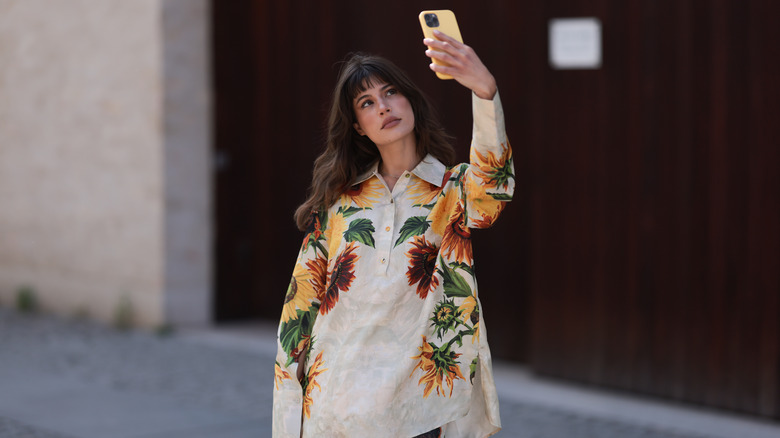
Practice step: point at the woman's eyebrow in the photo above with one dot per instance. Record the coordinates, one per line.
(365, 96)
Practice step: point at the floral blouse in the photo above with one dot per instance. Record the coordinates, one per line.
(383, 302)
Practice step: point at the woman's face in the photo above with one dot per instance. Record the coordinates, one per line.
(383, 114)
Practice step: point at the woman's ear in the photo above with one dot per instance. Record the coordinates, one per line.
(357, 128)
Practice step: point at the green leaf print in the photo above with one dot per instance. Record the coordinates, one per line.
(500, 196)
(463, 266)
(501, 176)
(296, 330)
(473, 369)
(361, 230)
(454, 284)
(347, 212)
(414, 226)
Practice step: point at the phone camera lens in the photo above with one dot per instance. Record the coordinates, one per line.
(431, 20)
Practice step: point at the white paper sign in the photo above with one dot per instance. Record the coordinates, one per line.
(575, 43)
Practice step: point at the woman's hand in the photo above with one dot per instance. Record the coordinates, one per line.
(464, 64)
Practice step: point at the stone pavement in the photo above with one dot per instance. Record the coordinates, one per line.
(75, 379)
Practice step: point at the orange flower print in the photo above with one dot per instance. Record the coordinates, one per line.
(422, 257)
(438, 366)
(280, 375)
(318, 268)
(309, 382)
(487, 220)
(340, 278)
(365, 194)
(313, 230)
(457, 238)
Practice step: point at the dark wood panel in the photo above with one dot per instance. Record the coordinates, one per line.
(653, 208)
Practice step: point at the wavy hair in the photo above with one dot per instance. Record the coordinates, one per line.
(347, 154)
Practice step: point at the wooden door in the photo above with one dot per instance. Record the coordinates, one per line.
(656, 205)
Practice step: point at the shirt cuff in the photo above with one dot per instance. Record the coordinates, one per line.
(489, 129)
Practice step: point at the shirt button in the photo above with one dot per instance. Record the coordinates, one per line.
(387, 228)
(407, 175)
(383, 261)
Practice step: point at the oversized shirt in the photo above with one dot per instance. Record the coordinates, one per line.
(383, 302)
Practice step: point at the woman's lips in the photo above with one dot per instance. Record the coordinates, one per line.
(389, 123)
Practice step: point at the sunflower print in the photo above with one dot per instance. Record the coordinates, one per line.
(340, 279)
(310, 382)
(424, 193)
(495, 171)
(338, 225)
(438, 366)
(365, 194)
(318, 267)
(422, 266)
(446, 317)
(481, 202)
(487, 220)
(457, 238)
(440, 213)
(299, 294)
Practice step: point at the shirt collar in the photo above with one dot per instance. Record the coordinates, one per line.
(429, 169)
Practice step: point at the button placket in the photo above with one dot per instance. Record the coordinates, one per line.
(384, 223)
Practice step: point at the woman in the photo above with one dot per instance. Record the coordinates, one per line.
(381, 332)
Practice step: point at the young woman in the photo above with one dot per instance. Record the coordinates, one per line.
(381, 332)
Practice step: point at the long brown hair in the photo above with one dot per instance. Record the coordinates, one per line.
(347, 154)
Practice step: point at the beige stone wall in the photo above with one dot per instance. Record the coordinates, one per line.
(82, 159)
(187, 126)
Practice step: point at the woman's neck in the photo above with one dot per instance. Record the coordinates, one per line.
(397, 159)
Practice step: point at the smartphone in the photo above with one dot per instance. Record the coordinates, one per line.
(444, 21)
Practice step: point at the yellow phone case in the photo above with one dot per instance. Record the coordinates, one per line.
(443, 20)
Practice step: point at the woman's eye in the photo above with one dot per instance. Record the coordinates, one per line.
(365, 103)
(391, 91)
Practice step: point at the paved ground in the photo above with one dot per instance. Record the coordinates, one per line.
(75, 379)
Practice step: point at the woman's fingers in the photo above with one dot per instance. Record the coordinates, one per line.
(445, 43)
(446, 38)
(463, 64)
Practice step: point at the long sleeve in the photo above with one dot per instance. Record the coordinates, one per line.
(489, 180)
(301, 306)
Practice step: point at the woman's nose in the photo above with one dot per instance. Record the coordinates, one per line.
(383, 106)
